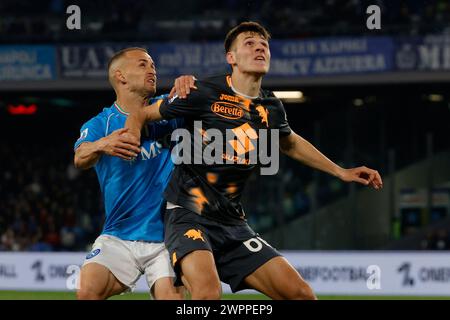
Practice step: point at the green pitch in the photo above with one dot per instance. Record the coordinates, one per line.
(48, 295)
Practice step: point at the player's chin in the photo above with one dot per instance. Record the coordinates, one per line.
(261, 70)
(150, 90)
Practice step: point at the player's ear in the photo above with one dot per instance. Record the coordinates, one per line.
(120, 77)
(230, 58)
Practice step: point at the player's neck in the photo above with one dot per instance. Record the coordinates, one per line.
(247, 85)
(131, 103)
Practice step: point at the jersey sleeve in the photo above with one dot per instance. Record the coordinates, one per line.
(181, 108)
(173, 124)
(91, 131)
(279, 118)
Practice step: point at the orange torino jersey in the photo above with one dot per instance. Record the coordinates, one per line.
(215, 190)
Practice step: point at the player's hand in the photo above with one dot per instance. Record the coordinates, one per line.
(182, 86)
(120, 144)
(363, 175)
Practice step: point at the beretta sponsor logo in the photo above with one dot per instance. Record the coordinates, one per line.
(227, 110)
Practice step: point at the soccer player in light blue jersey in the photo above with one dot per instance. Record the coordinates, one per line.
(132, 175)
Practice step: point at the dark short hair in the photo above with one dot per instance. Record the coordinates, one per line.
(248, 26)
(120, 53)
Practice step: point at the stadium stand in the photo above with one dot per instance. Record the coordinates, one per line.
(204, 20)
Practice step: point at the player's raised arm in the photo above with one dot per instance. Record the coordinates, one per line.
(301, 150)
(137, 119)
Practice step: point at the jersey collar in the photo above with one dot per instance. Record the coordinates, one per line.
(119, 109)
(230, 84)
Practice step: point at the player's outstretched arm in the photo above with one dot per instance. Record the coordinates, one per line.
(301, 150)
(118, 144)
(137, 119)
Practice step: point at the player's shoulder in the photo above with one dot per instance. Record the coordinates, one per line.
(218, 82)
(268, 98)
(264, 93)
(101, 118)
(206, 87)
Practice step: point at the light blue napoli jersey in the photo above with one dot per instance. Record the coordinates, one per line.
(132, 190)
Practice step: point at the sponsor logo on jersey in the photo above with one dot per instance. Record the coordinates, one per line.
(243, 102)
(227, 110)
(153, 150)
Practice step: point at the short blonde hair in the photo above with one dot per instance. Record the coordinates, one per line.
(117, 56)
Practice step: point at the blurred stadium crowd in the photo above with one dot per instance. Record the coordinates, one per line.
(45, 204)
(202, 20)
